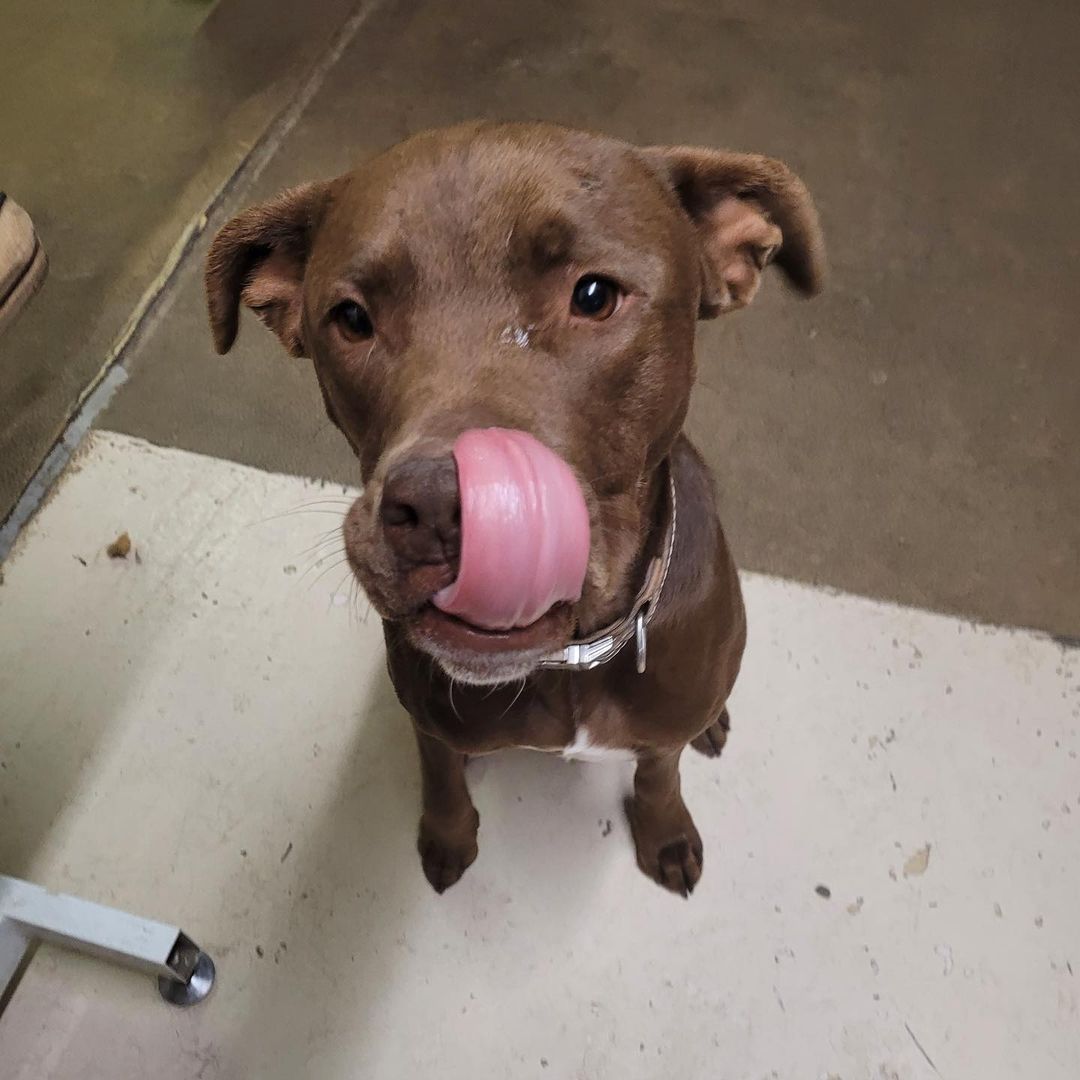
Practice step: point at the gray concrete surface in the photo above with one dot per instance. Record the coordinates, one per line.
(118, 124)
(911, 434)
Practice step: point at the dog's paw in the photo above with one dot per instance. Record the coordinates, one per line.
(679, 865)
(446, 857)
(670, 853)
(712, 740)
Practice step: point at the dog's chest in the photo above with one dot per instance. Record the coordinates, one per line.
(599, 726)
(586, 747)
(581, 724)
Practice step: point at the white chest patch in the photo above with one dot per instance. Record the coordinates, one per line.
(584, 749)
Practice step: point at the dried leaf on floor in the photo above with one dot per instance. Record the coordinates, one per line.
(120, 548)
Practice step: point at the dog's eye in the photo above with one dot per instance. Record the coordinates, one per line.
(354, 321)
(595, 297)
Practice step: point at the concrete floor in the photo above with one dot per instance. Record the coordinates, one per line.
(120, 123)
(912, 433)
(213, 741)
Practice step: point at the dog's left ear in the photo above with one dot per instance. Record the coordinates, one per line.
(748, 211)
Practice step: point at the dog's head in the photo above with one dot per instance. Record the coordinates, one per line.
(521, 277)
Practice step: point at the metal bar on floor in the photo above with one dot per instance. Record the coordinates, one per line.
(29, 913)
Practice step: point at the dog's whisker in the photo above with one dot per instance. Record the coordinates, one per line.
(517, 696)
(327, 537)
(361, 600)
(337, 538)
(333, 529)
(295, 513)
(339, 508)
(334, 592)
(362, 606)
(340, 500)
(320, 561)
(349, 599)
(452, 703)
(354, 603)
(331, 567)
(324, 566)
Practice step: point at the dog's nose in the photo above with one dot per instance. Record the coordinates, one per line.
(421, 510)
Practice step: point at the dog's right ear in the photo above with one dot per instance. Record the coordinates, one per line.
(258, 258)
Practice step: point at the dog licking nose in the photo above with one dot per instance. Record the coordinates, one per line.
(524, 531)
(550, 279)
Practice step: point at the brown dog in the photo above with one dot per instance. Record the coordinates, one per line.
(528, 277)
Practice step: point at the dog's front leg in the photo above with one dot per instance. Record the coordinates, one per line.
(667, 841)
(449, 822)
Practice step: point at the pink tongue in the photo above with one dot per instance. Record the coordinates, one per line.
(524, 531)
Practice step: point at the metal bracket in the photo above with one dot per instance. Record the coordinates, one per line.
(29, 914)
(641, 637)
